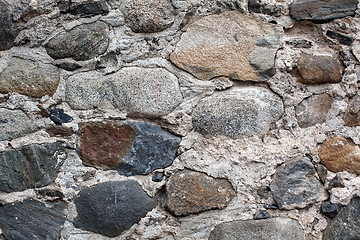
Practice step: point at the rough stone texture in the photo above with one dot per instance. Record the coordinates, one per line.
(14, 124)
(8, 30)
(88, 8)
(189, 192)
(330, 209)
(313, 110)
(31, 78)
(80, 43)
(261, 214)
(32, 219)
(356, 49)
(145, 146)
(322, 10)
(340, 154)
(295, 185)
(352, 115)
(112, 207)
(148, 16)
(30, 166)
(318, 69)
(228, 44)
(146, 92)
(341, 38)
(258, 7)
(274, 228)
(237, 112)
(58, 116)
(346, 225)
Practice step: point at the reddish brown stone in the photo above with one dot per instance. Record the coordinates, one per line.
(190, 192)
(340, 154)
(352, 115)
(103, 145)
(58, 130)
(316, 69)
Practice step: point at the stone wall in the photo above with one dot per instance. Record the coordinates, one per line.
(181, 119)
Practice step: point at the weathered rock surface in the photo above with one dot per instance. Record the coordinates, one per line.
(30, 166)
(58, 116)
(268, 9)
(14, 124)
(189, 192)
(330, 209)
(8, 30)
(313, 110)
(32, 219)
(352, 115)
(318, 69)
(144, 146)
(34, 79)
(346, 225)
(112, 207)
(145, 92)
(80, 43)
(274, 228)
(228, 44)
(237, 112)
(322, 10)
(85, 8)
(148, 16)
(295, 185)
(341, 38)
(340, 154)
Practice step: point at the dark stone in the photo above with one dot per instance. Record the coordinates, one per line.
(8, 30)
(342, 39)
(267, 9)
(295, 185)
(322, 172)
(58, 116)
(272, 207)
(352, 114)
(68, 65)
(158, 177)
(58, 130)
(336, 182)
(346, 225)
(64, 6)
(30, 166)
(89, 8)
(330, 209)
(112, 207)
(261, 214)
(299, 43)
(54, 194)
(322, 10)
(80, 43)
(31, 219)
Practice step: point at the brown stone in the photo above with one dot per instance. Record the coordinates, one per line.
(59, 130)
(317, 69)
(103, 145)
(352, 115)
(340, 154)
(189, 192)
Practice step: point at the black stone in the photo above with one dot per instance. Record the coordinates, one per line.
(51, 193)
(30, 166)
(68, 65)
(330, 209)
(267, 9)
(273, 207)
(8, 30)
(336, 182)
(342, 39)
(58, 116)
(32, 219)
(89, 8)
(112, 207)
(158, 177)
(261, 214)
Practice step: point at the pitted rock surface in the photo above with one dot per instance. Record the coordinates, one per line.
(238, 112)
(352, 115)
(8, 30)
(229, 44)
(112, 207)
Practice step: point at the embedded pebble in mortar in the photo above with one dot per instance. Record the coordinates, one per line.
(352, 115)
(88, 8)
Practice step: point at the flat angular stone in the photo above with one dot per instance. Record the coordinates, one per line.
(295, 185)
(144, 146)
(352, 114)
(80, 43)
(238, 112)
(112, 207)
(346, 225)
(313, 110)
(330, 209)
(89, 8)
(318, 69)
(32, 219)
(273, 228)
(14, 124)
(30, 166)
(322, 10)
(34, 79)
(58, 116)
(8, 30)
(228, 44)
(148, 16)
(340, 154)
(189, 192)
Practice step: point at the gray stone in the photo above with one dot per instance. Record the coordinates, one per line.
(273, 228)
(14, 124)
(261, 214)
(8, 30)
(238, 112)
(268, 9)
(295, 185)
(34, 79)
(145, 92)
(32, 219)
(112, 207)
(148, 15)
(330, 209)
(30, 166)
(67, 64)
(352, 114)
(346, 225)
(313, 110)
(80, 43)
